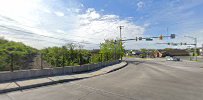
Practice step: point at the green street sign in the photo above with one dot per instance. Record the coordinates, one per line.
(149, 39)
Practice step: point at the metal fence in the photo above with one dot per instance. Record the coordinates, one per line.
(12, 61)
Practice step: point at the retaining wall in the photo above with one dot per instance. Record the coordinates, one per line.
(34, 73)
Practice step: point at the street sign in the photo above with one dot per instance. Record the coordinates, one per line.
(149, 39)
(173, 36)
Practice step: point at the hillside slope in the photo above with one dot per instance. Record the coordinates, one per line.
(16, 54)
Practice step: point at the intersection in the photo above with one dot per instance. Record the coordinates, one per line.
(153, 79)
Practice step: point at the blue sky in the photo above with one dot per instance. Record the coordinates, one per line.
(41, 23)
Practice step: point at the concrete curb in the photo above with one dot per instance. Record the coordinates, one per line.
(20, 88)
(118, 68)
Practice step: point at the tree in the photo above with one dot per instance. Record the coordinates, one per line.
(111, 50)
(70, 54)
(18, 52)
(143, 53)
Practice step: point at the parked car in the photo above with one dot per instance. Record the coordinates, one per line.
(176, 59)
(168, 58)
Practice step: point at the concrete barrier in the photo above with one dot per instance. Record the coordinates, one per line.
(34, 73)
(79, 69)
(92, 67)
(68, 69)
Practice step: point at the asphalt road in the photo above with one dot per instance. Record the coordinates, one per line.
(140, 80)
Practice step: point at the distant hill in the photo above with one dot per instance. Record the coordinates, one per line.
(16, 52)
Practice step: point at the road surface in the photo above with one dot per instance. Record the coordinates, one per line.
(140, 80)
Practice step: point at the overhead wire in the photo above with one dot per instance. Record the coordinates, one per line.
(31, 33)
(84, 42)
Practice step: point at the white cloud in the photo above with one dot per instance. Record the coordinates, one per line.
(60, 14)
(105, 26)
(77, 24)
(140, 5)
(60, 31)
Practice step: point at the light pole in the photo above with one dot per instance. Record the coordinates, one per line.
(195, 44)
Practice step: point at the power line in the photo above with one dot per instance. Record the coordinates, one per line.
(31, 33)
(57, 34)
(65, 33)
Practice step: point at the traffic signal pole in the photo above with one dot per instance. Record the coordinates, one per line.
(195, 44)
(172, 36)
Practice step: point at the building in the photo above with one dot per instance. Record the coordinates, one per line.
(156, 54)
(170, 52)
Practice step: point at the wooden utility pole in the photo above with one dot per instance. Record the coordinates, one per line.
(120, 44)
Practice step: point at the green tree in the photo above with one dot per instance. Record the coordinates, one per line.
(111, 50)
(143, 53)
(20, 53)
(70, 54)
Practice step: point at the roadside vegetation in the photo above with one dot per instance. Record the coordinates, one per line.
(17, 56)
(72, 54)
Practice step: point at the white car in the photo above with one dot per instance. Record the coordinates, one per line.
(168, 58)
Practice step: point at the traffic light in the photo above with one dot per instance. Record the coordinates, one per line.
(181, 43)
(173, 36)
(136, 38)
(161, 37)
(140, 38)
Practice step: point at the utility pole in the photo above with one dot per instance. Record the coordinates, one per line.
(120, 44)
(121, 27)
(195, 44)
(115, 50)
(195, 48)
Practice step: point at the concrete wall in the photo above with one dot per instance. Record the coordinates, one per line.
(34, 73)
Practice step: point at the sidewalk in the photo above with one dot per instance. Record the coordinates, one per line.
(32, 83)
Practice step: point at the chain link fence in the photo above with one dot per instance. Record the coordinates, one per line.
(14, 61)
